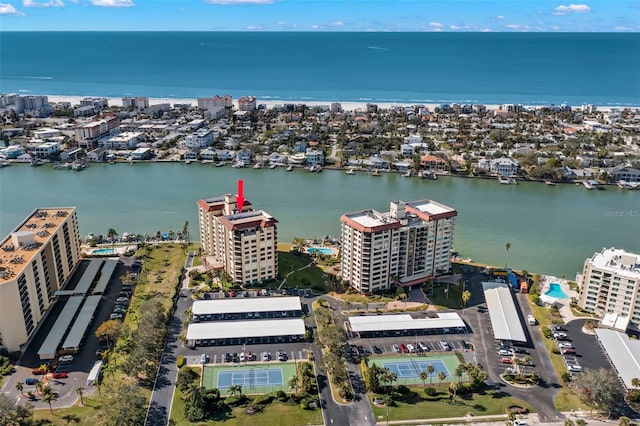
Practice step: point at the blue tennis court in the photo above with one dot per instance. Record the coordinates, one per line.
(412, 368)
(254, 377)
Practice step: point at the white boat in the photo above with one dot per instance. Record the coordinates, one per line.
(290, 168)
(238, 164)
(505, 180)
(549, 183)
(590, 184)
(78, 166)
(273, 166)
(351, 172)
(623, 184)
(220, 164)
(316, 168)
(5, 163)
(409, 173)
(375, 172)
(187, 161)
(258, 165)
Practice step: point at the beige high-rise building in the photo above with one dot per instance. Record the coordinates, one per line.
(245, 243)
(36, 259)
(403, 247)
(610, 284)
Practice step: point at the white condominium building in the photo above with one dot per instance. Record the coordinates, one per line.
(406, 246)
(609, 284)
(245, 244)
(36, 259)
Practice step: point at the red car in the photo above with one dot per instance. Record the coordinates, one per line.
(403, 348)
(60, 375)
(506, 360)
(38, 371)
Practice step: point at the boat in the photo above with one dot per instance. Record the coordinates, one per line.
(290, 168)
(623, 184)
(375, 172)
(409, 173)
(258, 165)
(351, 172)
(316, 168)
(589, 184)
(506, 180)
(187, 161)
(238, 164)
(78, 166)
(219, 164)
(36, 162)
(273, 166)
(5, 163)
(549, 183)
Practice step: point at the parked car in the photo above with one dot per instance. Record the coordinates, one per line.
(243, 358)
(122, 299)
(445, 345)
(558, 328)
(410, 348)
(234, 357)
(115, 316)
(376, 350)
(568, 351)
(559, 334)
(31, 381)
(227, 357)
(204, 358)
(564, 345)
(423, 347)
(504, 352)
(282, 356)
(519, 350)
(38, 371)
(519, 423)
(396, 348)
(403, 348)
(266, 356)
(506, 360)
(310, 356)
(66, 358)
(575, 368)
(60, 375)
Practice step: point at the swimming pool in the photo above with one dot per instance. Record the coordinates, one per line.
(321, 250)
(556, 291)
(103, 251)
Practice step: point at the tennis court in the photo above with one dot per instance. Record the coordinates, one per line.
(408, 368)
(254, 379)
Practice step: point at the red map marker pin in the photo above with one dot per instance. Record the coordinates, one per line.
(240, 198)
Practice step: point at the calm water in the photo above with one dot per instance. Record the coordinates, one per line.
(492, 68)
(551, 229)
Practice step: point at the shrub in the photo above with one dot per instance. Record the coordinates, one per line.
(555, 351)
(262, 400)
(234, 401)
(180, 361)
(186, 376)
(430, 391)
(281, 396)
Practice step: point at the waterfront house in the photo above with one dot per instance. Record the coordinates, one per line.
(432, 162)
(407, 150)
(277, 159)
(244, 156)
(71, 154)
(97, 155)
(375, 163)
(208, 154)
(191, 155)
(314, 157)
(503, 166)
(300, 146)
(47, 149)
(624, 172)
(11, 152)
(403, 166)
(125, 140)
(142, 154)
(225, 154)
(201, 138)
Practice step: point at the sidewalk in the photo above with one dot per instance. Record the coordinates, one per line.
(500, 419)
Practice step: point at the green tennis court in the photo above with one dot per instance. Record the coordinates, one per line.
(254, 378)
(407, 367)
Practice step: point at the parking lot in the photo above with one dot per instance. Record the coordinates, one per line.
(588, 353)
(216, 354)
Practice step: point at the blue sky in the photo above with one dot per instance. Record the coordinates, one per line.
(321, 15)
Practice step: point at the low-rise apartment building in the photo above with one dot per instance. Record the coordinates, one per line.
(36, 259)
(609, 284)
(403, 247)
(244, 243)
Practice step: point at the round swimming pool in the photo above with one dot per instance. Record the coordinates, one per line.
(555, 290)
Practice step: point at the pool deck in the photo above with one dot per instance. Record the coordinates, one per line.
(563, 304)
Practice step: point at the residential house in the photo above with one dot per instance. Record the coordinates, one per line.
(208, 154)
(314, 157)
(97, 155)
(624, 172)
(47, 149)
(432, 162)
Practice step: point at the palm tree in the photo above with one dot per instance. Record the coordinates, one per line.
(441, 376)
(430, 370)
(459, 371)
(235, 390)
(516, 363)
(20, 387)
(49, 398)
(185, 232)
(293, 383)
(80, 392)
(454, 387)
(112, 234)
(466, 295)
(635, 382)
(507, 246)
(423, 376)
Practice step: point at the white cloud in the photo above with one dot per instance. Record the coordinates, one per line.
(112, 3)
(9, 10)
(575, 8)
(232, 2)
(500, 17)
(455, 27)
(435, 24)
(623, 28)
(315, 26)
(50, 3)
(513, 26)
(486, 30)
(281, 23)
(337, 24)
(255, 27)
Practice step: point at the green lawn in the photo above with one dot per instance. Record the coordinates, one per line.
(443, 299)
(312, 276)
(421, 406)
(89, 414)
(275, 414)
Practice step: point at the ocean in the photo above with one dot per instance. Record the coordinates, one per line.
(489, 68)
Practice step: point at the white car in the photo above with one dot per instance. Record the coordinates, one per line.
(266, 356)
(575, 368)
(520, 423)
(410, 348)
(504, 352)
(396, 348)
(66, 358)
(564, 345)
(423, 347)
(243, 358)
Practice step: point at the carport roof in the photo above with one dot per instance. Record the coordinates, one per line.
(243, 305)
(502, 311)
(372, 323)
(242, 329)
(623, 352)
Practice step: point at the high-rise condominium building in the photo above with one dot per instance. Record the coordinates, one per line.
(405, 246)
(609, 284)
(36, 259)
(245, 243)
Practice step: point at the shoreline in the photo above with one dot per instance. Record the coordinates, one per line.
(270, 103)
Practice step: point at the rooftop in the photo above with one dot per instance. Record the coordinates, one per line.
(25, 241)
(432, 208)
(619, 261)
(505, 321)
(623, 352)
(241, 305)
(372, 323)
(242, 329)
